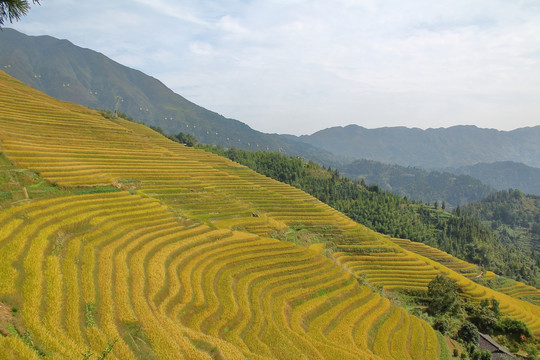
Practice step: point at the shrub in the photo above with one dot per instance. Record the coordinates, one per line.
(89, 314)
(481, 355)
(468, 333)
(441, 324)
(483, 317)
(442, 293)
(513, 327)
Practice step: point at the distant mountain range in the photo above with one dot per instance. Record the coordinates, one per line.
(68, 72)
(432, 148)
(457, 186)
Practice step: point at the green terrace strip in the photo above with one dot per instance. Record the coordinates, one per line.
(188, 259)
(20, 185)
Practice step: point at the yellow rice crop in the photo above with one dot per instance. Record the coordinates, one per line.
(144, 261)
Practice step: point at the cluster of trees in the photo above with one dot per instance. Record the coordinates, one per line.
(271, 164)
(419, 184)
(513, 215)
(458, 233)
(108, 114)
(464, 320)
(186, 139)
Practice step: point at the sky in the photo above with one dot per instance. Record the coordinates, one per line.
(299, 66)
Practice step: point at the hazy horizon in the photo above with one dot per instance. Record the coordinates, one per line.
(300, 67)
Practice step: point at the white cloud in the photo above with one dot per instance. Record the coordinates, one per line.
(298, 66)
(201, 48)
(175, 10)
(230, 25)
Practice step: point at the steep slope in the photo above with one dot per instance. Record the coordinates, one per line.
(432, 148)
(68, 72)
(178, 265)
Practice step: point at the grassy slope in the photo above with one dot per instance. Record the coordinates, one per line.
(179, 265)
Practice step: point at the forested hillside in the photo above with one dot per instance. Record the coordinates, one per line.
(419, 184)
(457, 233)
(504, 175)
(513, 215)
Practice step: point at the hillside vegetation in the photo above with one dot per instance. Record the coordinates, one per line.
(513, 215)
(180, 263)
(417, 184)
(504, 175)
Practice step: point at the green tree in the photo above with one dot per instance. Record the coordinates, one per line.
(513, 327)
(186, 139)
(468, 333)
(495, 307)
(483, 317)
(481, 355)
(13, 10)
(443, 295)
(232, 154)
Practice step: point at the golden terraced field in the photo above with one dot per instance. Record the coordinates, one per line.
(180, 262)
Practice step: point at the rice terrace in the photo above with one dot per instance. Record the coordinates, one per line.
(115, 240)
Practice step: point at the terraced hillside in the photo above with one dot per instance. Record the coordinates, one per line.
(468, 270)
(516, 289)
(180, 262)
(503, 285)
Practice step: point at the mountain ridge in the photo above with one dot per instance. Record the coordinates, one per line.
(503, 175)
(454, 146)
(418, 184)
